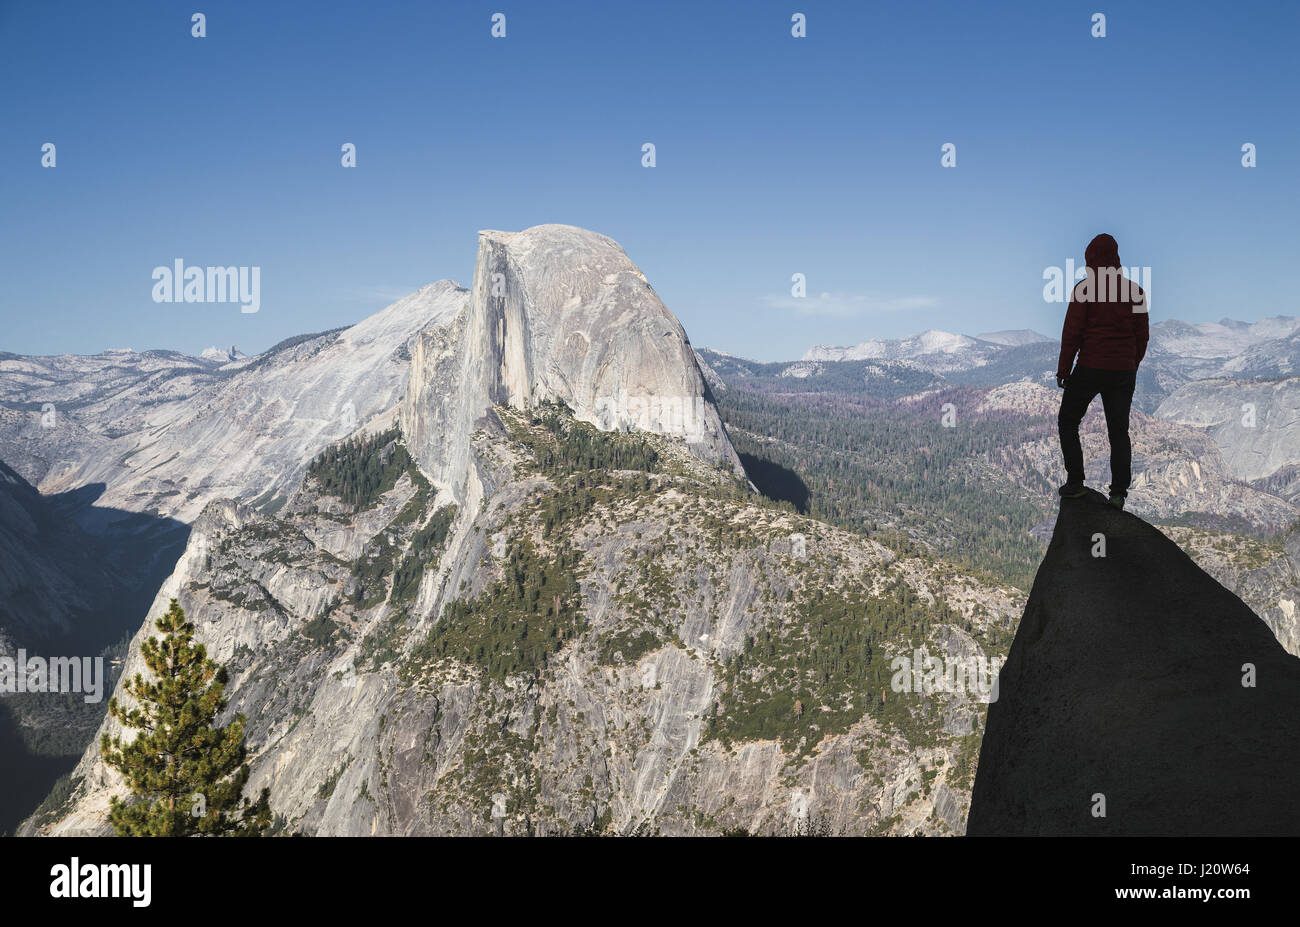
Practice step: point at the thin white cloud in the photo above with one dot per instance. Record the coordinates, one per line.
(847, 305)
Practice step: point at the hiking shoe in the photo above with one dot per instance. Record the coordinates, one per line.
(1117, 502)
(1072, 490)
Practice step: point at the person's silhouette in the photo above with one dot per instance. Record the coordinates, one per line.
(1106, 326)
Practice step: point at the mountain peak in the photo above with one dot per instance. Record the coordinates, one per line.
(551, 236)
(931, 341)
(1014, 337)
(557, 313)
(223, 355)
(1129, 683)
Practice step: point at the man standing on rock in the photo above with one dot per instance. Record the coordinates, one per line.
(1106, 326)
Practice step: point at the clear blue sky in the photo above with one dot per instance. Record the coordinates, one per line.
(776, 155)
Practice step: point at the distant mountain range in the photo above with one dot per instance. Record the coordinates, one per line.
(1231, 381)
(1179, 354)
(1183, 350)
(926, 344)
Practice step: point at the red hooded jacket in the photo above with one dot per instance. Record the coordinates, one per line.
(1105, 324)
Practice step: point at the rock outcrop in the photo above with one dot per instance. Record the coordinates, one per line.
(665, 706)
(556, 313)
(1179, 473)
(1139, 687)
(1265, 574)
(1256, 424)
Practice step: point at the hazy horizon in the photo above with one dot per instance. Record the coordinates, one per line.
(720, 349)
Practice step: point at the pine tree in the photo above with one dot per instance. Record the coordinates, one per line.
(186, 775)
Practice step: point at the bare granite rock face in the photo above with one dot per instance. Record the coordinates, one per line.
(167, 434)
(1254, 423)
(557, 313)
(1178, 471)
(662, 707)
(1263, 574)
(1140, 698)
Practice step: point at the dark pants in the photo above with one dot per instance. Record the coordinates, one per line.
(1116, 389)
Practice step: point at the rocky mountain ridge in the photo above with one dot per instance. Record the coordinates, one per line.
(1139, 698)
(165, 434)
(556, 313)
(665, 605)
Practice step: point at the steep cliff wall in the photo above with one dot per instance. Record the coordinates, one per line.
(1140, 697)
(557, 313)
